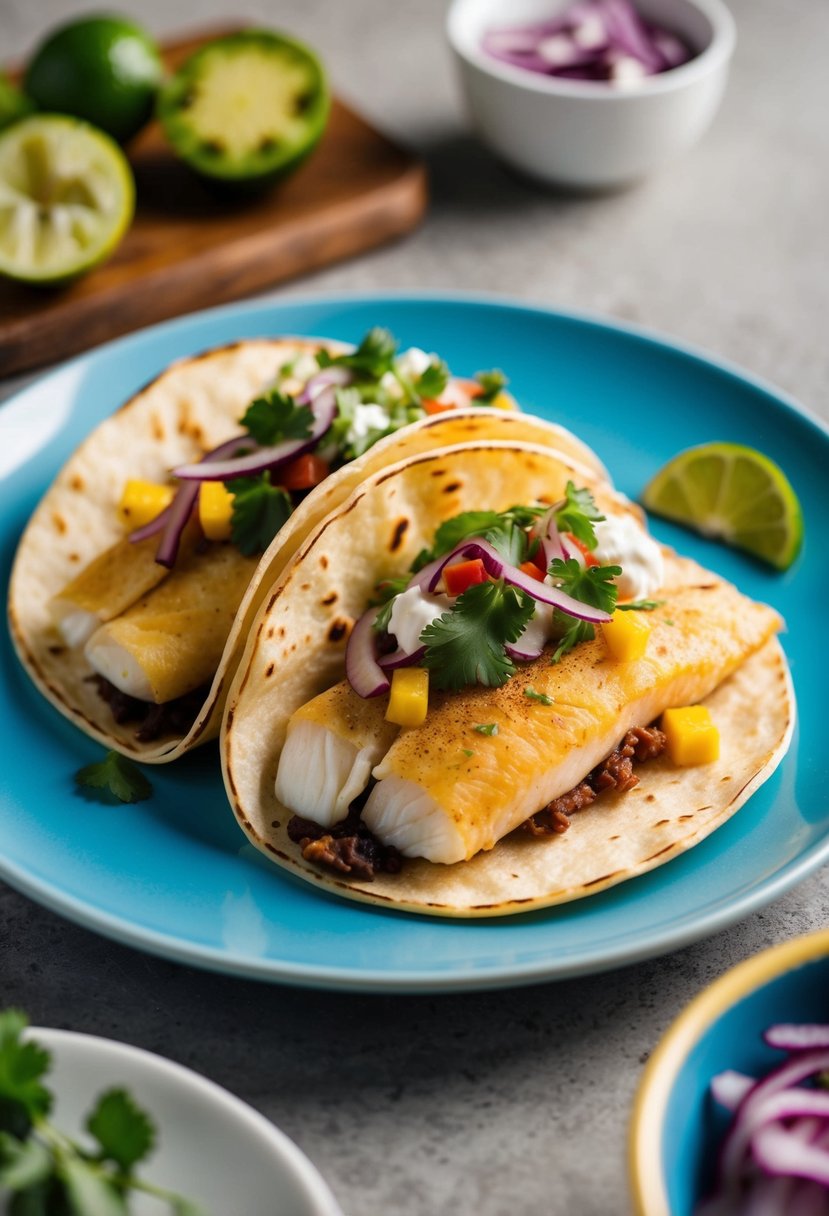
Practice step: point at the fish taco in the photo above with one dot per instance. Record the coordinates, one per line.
(144, 562)
(453, 699)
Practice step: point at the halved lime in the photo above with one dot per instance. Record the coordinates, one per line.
(66, 198)
(247, 108)
(733, 493)
(105, 69)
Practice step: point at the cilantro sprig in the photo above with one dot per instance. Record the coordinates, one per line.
(274, 417)
(466, 645)
(591, 585)
(115, 776)
(492, 383)
(260, 509)
(577, 514)
(505, 530)
(372, 358)
(46, 1172)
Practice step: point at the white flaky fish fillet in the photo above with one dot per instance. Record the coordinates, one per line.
(433, 799)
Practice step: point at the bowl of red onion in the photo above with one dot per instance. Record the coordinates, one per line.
(732, 1113)
(591, 94)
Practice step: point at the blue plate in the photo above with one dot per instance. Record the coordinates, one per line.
(174, 876)
(677, 1127)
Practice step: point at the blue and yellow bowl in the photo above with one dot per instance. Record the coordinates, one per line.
(676, 1128)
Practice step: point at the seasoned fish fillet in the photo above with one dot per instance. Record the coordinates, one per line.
(170, 642)
(433, 800)
(108, 586)
(333, 744)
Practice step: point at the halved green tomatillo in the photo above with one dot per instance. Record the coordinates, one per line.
(247, 108)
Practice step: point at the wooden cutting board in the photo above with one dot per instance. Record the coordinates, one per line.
(188, 249)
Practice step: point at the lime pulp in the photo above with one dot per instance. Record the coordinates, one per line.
(733, 493)
(66, 198)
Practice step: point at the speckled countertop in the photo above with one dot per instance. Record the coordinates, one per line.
(513, 1102)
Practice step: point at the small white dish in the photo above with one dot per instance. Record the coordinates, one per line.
(591, 135)
(212, 1148)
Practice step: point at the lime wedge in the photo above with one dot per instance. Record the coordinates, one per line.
(66, 198)
(733, 493)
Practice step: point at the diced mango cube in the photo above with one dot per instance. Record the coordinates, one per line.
(626, 636)
(142, 501)
(215, 510)
(504, 401)
(409, 696)
(692, 736)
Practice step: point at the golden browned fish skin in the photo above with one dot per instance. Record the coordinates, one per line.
(174, 637)
(428, 787)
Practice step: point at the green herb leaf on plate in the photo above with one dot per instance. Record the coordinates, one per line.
(116, 775)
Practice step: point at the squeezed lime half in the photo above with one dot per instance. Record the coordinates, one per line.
(733, 493)
(66, 198)
(247, 108)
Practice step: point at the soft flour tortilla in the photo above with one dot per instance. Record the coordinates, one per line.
(189, 409)
(296, 650)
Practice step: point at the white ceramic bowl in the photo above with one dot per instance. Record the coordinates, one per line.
(585, 135)
(212, 1148)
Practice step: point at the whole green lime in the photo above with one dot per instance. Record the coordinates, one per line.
(104, 69)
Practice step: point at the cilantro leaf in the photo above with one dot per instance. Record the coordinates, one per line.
(275, 417)
(492, 383)
(466, 645)
(433, 381)
(486, 728)
(592, 585)
(640, 605)
(116, 775)
(495, 526)
(372, 358)
(259, 511)
(124, 1132)
(23, 1163)
(541, 697)
(578, 514)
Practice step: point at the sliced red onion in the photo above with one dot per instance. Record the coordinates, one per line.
(400, 658)
(172, 521)
(339, 377)
(780, 1152)
(181, 508)
(594, 40)
(523, 652)
(752, 1113)
(805, 1037)
(498, 568)
(362, 669)
(323, 407)
(730, 1087)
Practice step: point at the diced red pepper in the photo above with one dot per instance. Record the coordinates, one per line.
(304, 473)
(462, 575)
(533, 570)
(590, 558)
(461, 392)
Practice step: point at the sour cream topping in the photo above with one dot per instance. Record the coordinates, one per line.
(411, 612)
(623, 542)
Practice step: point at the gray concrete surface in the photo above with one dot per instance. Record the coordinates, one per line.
(513, 1102)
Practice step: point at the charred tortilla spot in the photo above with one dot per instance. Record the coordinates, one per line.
(281, 631)
(304, 586)
(230, 714)
(324, 562)
(661, 823)
(594, 882)
(275, 823)
(158, 429)
(397, 535)
(59, 522)
(653, 856)
(685, 818)
(438, 473)
(269, 670)
(57, 650)
(337, 630)
(651, 798)
(331, 598)
(452, 487)
(270, 632)
(727, 777)
(74, 558)
(76, 482)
